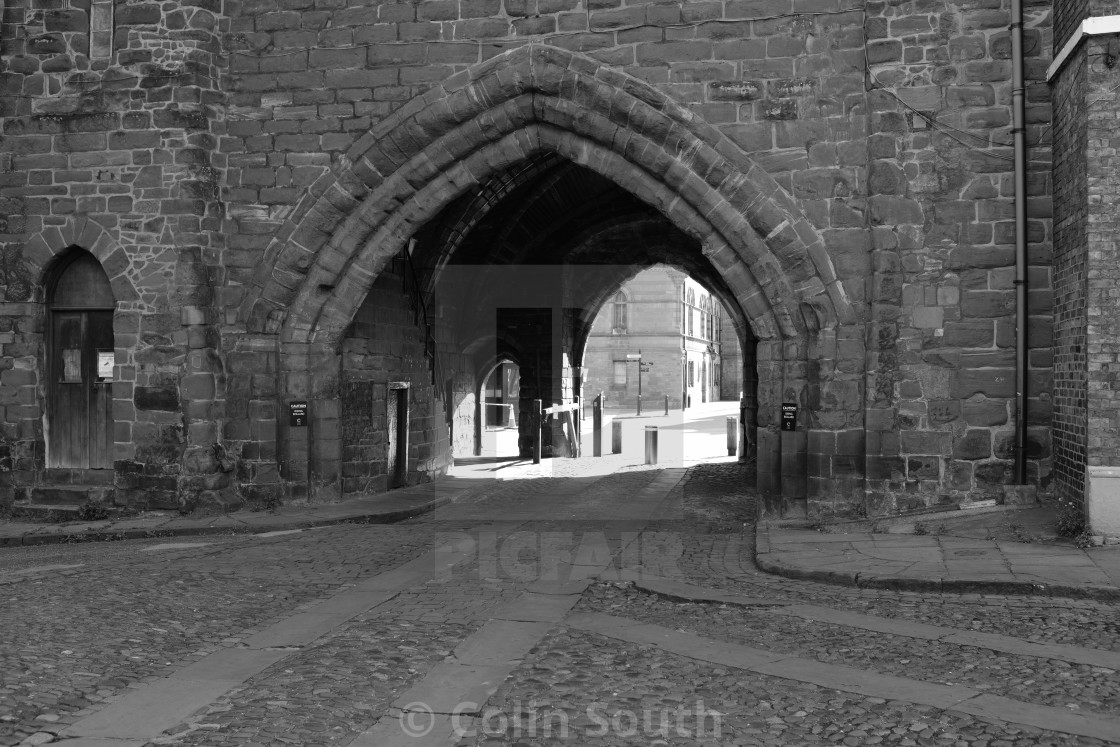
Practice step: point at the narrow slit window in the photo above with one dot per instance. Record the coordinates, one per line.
(101, 29)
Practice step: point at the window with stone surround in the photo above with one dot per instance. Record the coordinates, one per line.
(620, 320)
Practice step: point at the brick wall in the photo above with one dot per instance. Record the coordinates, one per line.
(1067, 15)
(1102, 288)
(1071, 203)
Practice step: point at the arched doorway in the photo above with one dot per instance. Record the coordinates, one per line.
(499, 399)
(80, 361)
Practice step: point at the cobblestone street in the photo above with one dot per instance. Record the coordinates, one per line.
(610, 609)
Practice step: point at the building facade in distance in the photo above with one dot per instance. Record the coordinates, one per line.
(678, 328)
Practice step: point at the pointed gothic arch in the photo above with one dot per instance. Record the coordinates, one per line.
(532, 99)
(518, 106)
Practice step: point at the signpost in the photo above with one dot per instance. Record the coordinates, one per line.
(642, 368)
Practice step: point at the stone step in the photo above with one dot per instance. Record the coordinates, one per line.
(71, 495)
(47, 513)
(77, 476)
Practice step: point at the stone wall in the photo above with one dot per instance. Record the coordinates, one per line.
(110, 145)
(183, 144)
(941, 367)
(386, 345)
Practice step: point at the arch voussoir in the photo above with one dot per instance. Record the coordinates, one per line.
(541, 97)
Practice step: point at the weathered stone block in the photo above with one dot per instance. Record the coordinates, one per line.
(741, 90)
(134, 15)
(161, 398)
(923, 467)
(924, 442)
(884, 51)
(991, 382)
(973, 445)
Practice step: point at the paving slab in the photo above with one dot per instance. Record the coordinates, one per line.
(868, 683)
(952, 564)
(530, 607)
(229, 665)
(891, 626)
(998, 708)
(413, 729)
(150, 709)
(686, 644)
(500, 642)
(297, 630)
(449, 687)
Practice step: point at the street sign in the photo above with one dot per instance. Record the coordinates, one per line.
(297, 414)
(633, 356)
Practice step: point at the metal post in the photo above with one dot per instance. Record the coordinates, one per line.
(651, 444)
(538, 424)
(616, 436)
(732, 435)
(597, 426)
(666, 404)
(1022, 313)
(743, 444)
(639, 382)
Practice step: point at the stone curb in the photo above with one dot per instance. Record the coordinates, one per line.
(963, 585)
(108, 535)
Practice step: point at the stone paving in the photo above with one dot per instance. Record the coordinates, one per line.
(346, 634)
(949, 563)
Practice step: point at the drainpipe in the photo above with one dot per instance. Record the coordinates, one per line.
(1018, 114)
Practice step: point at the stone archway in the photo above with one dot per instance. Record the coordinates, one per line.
(528, 101)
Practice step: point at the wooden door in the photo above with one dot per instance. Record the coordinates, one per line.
(80, 360)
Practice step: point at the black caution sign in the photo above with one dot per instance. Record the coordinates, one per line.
(789, 417)
(297, 413)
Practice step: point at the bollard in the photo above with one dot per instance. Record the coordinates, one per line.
(597, 426)
(616, 436)
(666, 404)
(651, 444)
(538, 424)
(732, 435)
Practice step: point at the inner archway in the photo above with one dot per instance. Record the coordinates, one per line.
(498, 410)
(549, 236)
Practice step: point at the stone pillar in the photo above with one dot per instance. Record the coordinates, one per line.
(836, 444)
(294, 442)
(768, 440)
(795, 443)
(325, 435)
(252, 416)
